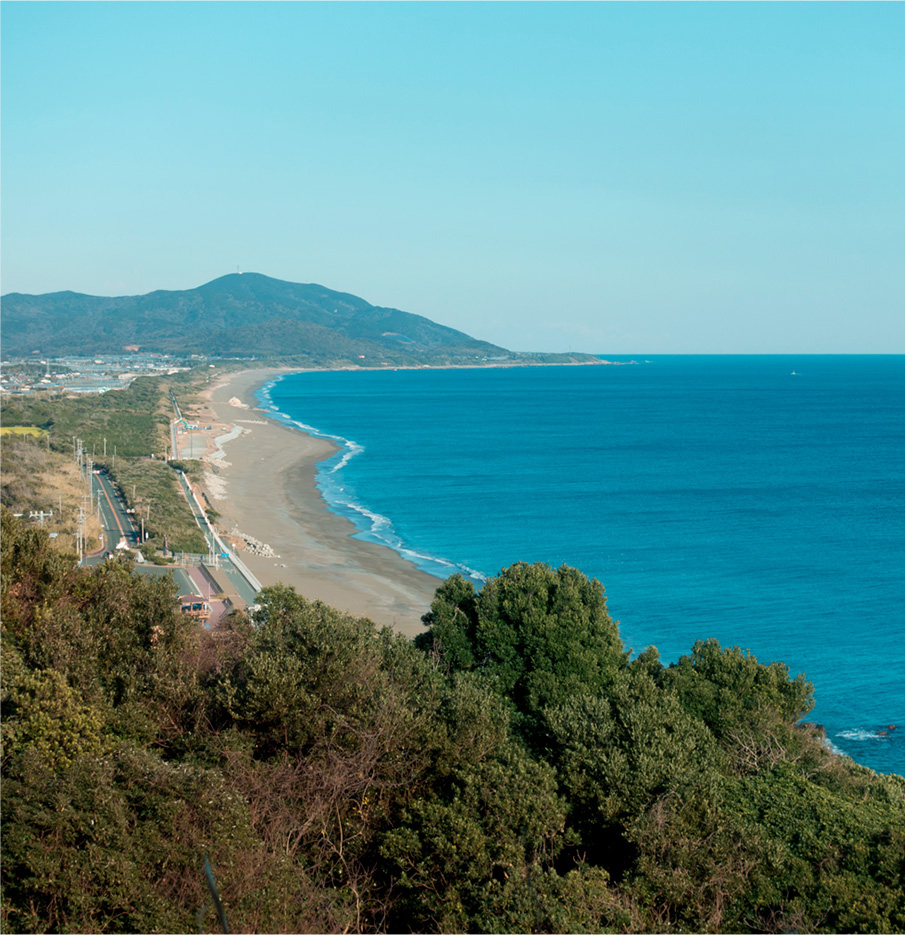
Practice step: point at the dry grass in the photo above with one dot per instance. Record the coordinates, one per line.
(23, 430)
(36, 478)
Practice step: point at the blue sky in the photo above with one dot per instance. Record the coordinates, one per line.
(620, 178)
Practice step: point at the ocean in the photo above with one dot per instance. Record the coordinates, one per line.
(755, 499)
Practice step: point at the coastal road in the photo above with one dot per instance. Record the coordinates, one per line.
(243, 587)
(116, 521)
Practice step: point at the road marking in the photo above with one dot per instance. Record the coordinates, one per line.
(112, 508)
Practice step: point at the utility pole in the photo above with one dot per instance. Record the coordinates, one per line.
(81, 534)
(148, 501)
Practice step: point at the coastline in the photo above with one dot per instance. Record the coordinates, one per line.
(264, 489)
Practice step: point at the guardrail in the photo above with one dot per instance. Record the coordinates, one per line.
(222, 548)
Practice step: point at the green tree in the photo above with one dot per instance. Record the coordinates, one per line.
(751, 708)
(537, 636)
(519, 775)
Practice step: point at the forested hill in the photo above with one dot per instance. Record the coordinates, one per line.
(239, 315)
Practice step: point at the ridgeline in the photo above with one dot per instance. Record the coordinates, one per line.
(244, 315)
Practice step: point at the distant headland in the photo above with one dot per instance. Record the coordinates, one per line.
(248, 315)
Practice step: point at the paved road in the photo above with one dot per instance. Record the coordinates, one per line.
(188, 580)
(174, 445)
(243, 588)
(118, 525)
(116, 521)
(181, 576)
(197, 512)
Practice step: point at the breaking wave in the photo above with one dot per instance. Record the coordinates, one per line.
(860, 733)
(371, 526)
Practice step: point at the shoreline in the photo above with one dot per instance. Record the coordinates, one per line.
(263, 486)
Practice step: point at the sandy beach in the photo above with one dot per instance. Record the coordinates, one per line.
(264, 489)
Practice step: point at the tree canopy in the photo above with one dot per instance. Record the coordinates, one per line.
(511, 770)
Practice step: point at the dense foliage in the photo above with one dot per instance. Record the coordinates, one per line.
(133, 419)
(512, 770)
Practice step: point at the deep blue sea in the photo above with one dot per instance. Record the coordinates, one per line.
(756, 499)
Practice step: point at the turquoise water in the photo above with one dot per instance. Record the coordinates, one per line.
(758, 500)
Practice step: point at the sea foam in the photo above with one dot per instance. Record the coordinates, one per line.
(709, 499)
(372, 526)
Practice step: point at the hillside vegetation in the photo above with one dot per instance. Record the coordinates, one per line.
(247, 316)
(120, 430)
(510, 770)
(37, 480)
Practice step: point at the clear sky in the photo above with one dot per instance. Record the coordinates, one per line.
(620, 178)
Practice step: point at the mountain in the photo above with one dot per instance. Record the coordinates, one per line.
(239, 315)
